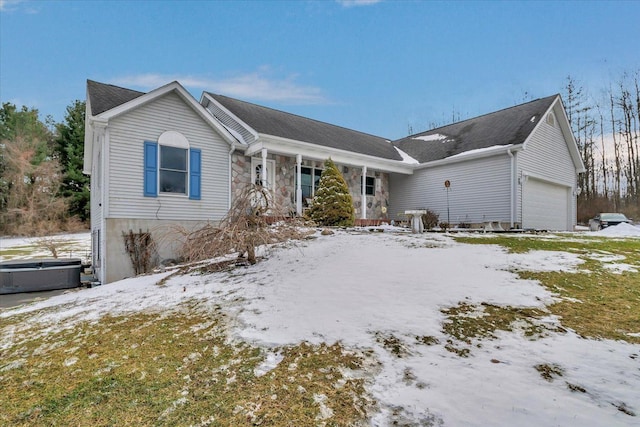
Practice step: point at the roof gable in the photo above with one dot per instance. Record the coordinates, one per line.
(277, 123)
(511, 126)
(105, 102)
(144, 98)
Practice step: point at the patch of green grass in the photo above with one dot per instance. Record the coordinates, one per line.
(595, 304)
(467, 323)
(173, 368)
(595, 301)
(521, 243)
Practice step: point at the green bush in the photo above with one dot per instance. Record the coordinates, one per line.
(332, 204)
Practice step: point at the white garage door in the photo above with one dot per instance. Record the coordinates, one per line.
(545, 206)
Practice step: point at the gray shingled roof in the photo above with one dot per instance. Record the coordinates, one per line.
(278, 123)
(103, 97)
(509, 126)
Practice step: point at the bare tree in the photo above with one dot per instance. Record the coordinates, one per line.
(583, 125)
(33, 204)
(253, 220)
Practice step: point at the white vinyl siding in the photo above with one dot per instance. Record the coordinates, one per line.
(126, 149)
(546, 158)
(479, 191)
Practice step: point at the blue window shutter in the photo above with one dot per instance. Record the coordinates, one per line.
(194, 173)
(150, 169)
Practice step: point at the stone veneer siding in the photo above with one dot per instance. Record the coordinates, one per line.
(380, 199)
(285, 188)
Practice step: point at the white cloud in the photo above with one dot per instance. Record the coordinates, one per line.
(9, 5)
(355, 3)
(256, 86)
(12, 5)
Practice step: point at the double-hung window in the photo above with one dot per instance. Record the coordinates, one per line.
(173, 170)
(370, 186)
(172, 167)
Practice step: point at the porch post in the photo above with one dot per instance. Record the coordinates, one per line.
(363, 213)
(299, 184)
(263, 172)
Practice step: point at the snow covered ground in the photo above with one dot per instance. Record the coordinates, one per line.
(74, 245)
(356, 287)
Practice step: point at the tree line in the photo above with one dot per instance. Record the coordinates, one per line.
(42, 187)
(606, 125)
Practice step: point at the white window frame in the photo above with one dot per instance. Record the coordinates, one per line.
(185, 171)
(373, 186)
(177, 140)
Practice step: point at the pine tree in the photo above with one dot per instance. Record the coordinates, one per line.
(332, 203)
(69, 148)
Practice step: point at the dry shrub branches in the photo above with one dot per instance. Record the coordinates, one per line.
(251, 222)
(50, 244)
(141, 249)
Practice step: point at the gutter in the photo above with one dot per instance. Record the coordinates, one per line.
(471, 155)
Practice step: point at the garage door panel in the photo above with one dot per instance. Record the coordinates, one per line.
(545, 205)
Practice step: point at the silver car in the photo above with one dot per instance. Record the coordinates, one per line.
(604, 220)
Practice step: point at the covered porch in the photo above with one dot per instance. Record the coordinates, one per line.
(293, 179)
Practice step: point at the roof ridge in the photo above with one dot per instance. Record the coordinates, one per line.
(480, 116)
(300, 116)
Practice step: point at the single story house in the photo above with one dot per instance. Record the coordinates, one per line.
(163, 158)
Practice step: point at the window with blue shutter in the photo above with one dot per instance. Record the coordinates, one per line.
(150, 169)
(194, 173)
(171, 167)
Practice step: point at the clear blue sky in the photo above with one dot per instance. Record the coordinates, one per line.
(374, 66)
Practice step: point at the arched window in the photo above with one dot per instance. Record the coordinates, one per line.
(171, 166)
(551, 120)
(257, 173)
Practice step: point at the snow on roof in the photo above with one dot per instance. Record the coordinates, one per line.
(406, 158)
(434, 137)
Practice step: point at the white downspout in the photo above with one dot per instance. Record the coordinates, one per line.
(233, 148)
(512, 198)
(363, 214)
(299, 184)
